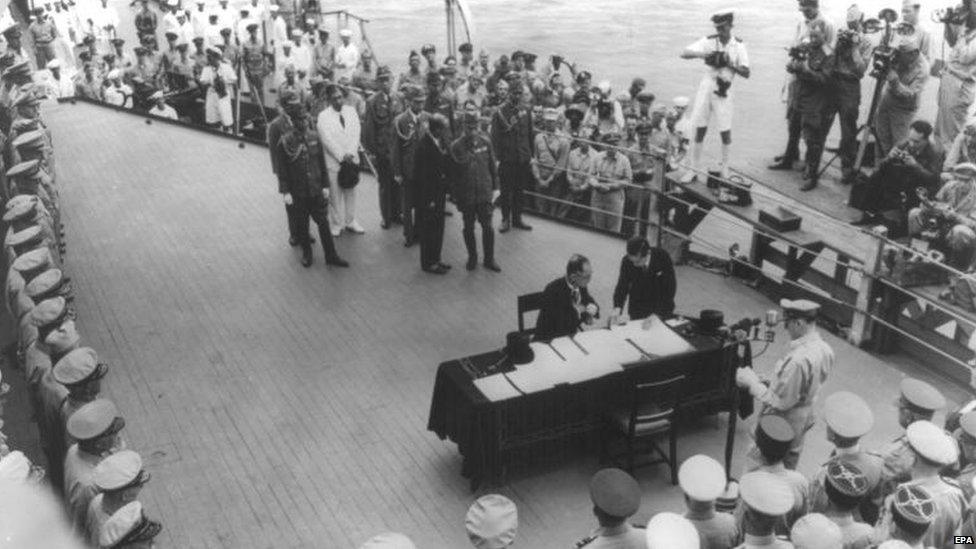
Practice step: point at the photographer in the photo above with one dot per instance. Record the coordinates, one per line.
(726, 57)
(906, 79)
(811, 70)
(851, 59)
(958, 76)
(950, 214)
(913, 163)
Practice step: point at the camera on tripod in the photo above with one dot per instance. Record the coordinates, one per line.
(883, 59)
(951, 16)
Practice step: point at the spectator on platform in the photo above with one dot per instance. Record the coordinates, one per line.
(963, 150)
(346, 55)
(549, 165)
(160, 108)
(44, 34)
(414, 75)
(116, 92)
(219, 78)
(388, 540)
(646, 283)
(952, 212)
(474, 92)
(229, 50)
(198, 19)
(96, 427)
(579, 172)
(118, 478)
(815, 531)
(566, 302)
(615, 496)
(611, 173)
(492, 522)
(104, 25)
(211, 34)
(323, 54)
(339, 131)
(476, 188)
(702, 479)
(466, 64)
(279, 27)
(900, 101)
(129, 528)
(890, 191)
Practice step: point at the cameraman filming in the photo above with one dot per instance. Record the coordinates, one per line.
(811, 65)
(905, 81)
(956, 90)
(851, 59)
(726, 57)
(950, 216)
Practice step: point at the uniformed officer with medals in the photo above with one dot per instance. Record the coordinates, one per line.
(408, 127)
(378, 141)
(797, 378)
(726, 58)
(616, 496)
(934, 449)
(918, 401)
(767, 498)
(702, 479)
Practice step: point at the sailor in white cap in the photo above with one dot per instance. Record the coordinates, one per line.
(797, 377)
(388, 540)
(917, 401)
(767, 498)
(96, 427)
(160, 108)
(726, 57)
(116, 91)
(104, 24)
(279, 28)
(934, 449)
(118, 478)
(346, 55)
(57, 80)
(815, 531)
(219, 78)
(492, 522)
(702, 479)
(673, 531)
(615, 496)
(848, 418)
(129, 527)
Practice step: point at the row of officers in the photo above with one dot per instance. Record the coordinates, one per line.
(915, 493)
(81, 434)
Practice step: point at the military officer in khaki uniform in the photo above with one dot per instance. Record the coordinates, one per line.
(797, 378)
(767, 499)
(911, 510)
(848, 418)
(118, 478)
(702, 479)
(673, 531)
(773, 439)
(255, 55)
(933, 450)
(918, 401)
(492, 522)
(96, 427)
(815, 531)
(845, 487)
(616, 496)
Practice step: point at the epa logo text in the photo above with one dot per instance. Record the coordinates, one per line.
(962, 540)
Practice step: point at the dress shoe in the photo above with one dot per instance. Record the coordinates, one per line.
(444, 266)
(492, 266)
(385, 225)
(471, 264)
(435, 269)
(809, 185)
(293, 241)
(307, 259)
(355, 228)
(522, 226)
(337, 262)
(506, 226)
(408, 242)
(781, 165)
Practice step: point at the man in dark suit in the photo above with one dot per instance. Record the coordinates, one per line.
(430, 175)
(408, 127)
(647, 279)
(566, 303)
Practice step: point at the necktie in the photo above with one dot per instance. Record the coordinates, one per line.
(576, 296)
(342, 121)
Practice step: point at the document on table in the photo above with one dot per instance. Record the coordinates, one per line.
(495, 387)
(567, 348)
(546, 370)
(609, 346)
(657, 339)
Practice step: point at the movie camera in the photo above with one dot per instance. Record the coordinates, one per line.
(955, 15)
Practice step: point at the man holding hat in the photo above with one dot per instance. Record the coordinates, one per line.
(339, 131)
(702, 479)
(118, 478)
(96, 427)
(492, 522)
(726, 58)
(797, 377)
(615, 496)
(766, 498)
(815, 531)
(954, 205)
(933, 449)
(848, 418)
(910, 512)
(476, 188)
(900, 100)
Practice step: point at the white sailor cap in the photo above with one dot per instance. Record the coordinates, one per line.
(297, 33)
(722, 16)
(345, 32)
(681, 101)
(815, 531)
(671, 531)
(702, 478)
(119, 470)
(388, 540)
(15, 466)
(932, 443)
(799, 307)
(274, 8)
(848, 415)
(492, 522)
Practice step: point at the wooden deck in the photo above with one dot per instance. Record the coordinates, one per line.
(282, 407)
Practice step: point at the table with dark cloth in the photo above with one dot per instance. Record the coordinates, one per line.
(485, 431)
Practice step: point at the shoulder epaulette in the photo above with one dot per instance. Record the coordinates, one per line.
(710, 36)
(737, 39)
(585, 541)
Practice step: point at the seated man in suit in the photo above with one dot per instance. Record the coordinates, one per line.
(647, 279)
(566, 303)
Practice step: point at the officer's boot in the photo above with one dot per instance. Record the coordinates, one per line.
(306, 254)
(488, 243)
(472, 247)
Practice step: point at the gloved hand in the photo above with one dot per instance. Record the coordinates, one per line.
(286, 197)
(747, 378)
(325, 193)
(495, 195)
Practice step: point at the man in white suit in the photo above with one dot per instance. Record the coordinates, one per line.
(339, 131)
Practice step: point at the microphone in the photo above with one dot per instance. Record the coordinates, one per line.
(772, 317)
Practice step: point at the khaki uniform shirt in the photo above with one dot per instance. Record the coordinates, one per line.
(715, 530)
(950, 506)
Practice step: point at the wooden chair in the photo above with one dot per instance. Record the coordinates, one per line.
(650, 413)
(526, 304)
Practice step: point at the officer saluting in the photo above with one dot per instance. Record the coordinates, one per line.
(702, 479)
(918, 401)
(616, 496)
(797, 378)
